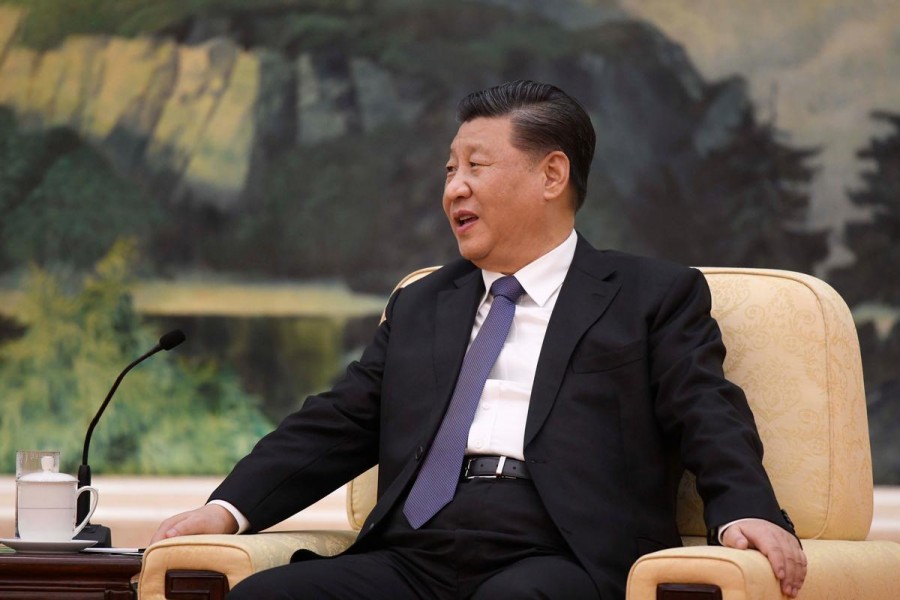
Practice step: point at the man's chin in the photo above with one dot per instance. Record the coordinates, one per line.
(469, 252)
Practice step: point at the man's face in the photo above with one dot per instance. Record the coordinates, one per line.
(494, 197)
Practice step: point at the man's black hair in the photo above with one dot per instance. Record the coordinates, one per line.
(544, 119)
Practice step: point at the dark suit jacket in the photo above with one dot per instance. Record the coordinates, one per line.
(629, 387)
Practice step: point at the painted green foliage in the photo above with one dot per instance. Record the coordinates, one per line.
(60, 201)
(53, 379)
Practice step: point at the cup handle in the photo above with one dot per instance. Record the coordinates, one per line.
(95, 497)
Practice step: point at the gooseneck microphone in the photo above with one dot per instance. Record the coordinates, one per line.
(99, 532)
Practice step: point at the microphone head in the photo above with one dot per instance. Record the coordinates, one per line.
(171, 339)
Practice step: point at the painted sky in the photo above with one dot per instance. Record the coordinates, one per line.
(815, 67)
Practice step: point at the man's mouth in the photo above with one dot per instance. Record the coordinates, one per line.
(463, 220)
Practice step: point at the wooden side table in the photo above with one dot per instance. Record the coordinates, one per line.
(74, 576)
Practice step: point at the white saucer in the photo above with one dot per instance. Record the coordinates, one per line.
(20, 545)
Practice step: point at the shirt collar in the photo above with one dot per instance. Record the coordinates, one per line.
(543, 276)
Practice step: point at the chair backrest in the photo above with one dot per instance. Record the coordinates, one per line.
(792, 347)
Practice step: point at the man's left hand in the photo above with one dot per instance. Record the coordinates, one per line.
(780, 547)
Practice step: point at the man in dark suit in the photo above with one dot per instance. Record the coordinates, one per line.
(608, 380)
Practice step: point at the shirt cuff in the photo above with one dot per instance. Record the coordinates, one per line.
(243, 523)
(726, 526)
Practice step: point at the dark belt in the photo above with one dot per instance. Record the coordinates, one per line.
(496, 467)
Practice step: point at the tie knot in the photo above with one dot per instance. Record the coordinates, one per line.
(508, 287)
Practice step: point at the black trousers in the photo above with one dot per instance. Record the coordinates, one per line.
(493, 541)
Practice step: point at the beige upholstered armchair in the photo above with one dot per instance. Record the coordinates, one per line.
(792, 346)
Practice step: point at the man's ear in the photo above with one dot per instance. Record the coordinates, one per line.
(556, 175)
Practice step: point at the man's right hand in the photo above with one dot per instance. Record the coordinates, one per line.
(211, 518)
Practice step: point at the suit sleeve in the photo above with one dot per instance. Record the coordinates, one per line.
(706, 415)
(330, 440)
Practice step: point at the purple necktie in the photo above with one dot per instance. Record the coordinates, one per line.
(437, 479)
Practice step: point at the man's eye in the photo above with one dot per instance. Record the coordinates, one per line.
(451, 169)
(474, 164)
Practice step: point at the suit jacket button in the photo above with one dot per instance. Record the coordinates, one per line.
(419, 452)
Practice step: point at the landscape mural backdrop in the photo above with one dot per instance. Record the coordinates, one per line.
(260, 173)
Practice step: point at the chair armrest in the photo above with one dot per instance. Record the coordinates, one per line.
(837, 569)
(235, 556)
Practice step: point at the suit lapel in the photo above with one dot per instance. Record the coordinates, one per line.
(583, 299)
(455, 315)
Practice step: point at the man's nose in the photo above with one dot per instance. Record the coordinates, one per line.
(457, 186)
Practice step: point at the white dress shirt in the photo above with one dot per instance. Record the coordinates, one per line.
(499, 425)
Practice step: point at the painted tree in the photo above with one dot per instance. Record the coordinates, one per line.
(729, 191)
(874, 242)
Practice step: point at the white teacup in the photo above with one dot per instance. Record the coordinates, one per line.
(46, 505)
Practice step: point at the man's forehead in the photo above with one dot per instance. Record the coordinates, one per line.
(481, 133)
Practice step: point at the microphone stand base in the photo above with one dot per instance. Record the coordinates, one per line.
(96, 532)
